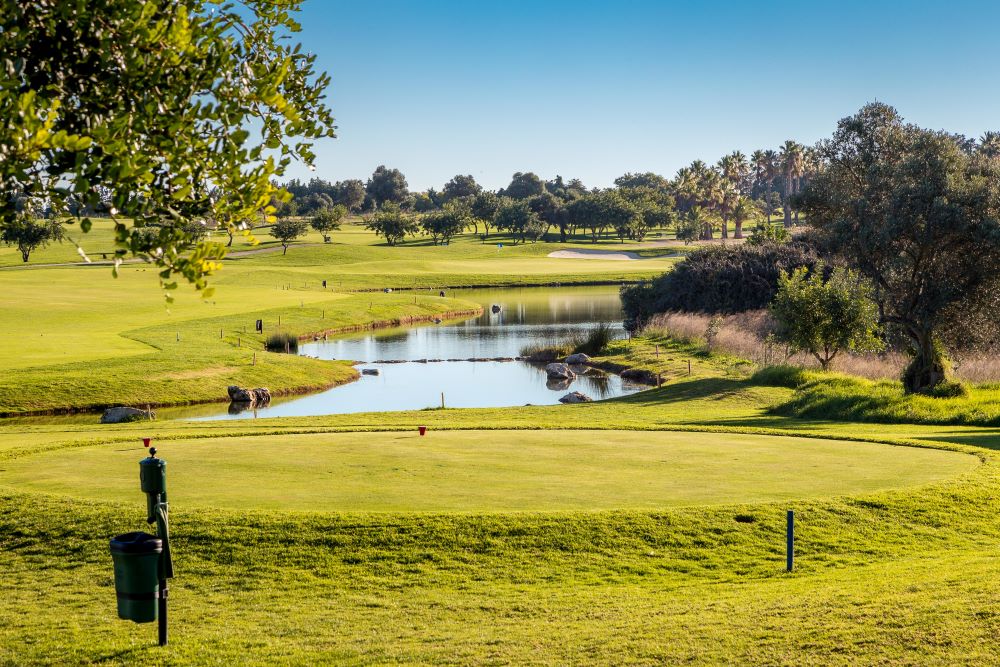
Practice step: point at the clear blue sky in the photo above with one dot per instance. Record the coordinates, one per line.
(591, 90)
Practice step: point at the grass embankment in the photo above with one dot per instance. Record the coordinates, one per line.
(897, 575)
(185, 360)
(833, 396)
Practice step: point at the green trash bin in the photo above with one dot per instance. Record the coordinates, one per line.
(136, 559)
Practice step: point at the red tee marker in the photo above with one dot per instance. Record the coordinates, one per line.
(422, 429)
(145, 442)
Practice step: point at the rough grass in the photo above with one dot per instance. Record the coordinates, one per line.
(841, 397)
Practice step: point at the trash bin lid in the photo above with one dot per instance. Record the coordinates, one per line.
(136, 543)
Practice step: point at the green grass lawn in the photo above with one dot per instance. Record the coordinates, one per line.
(492, 471)
(895, 552)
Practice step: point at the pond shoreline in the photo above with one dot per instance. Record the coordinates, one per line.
(288, 391)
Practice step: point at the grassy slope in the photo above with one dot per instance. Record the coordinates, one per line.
(892, 576)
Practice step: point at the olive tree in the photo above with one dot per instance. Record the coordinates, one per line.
(824, 317)
(227, 102)
(919, 216)
(328, 219)
(391, 223)
(29, 234)
(287, 230)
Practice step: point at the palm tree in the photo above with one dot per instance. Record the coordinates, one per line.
(989, 144)
(743, 209)
(791, 163)
(771, 173)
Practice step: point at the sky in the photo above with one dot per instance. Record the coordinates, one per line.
(592, 90)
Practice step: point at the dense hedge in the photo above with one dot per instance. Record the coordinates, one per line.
(719, 279)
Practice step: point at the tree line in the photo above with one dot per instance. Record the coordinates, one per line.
(700, 202)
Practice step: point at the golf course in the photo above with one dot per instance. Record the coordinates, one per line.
(647, 528)
(450, 333)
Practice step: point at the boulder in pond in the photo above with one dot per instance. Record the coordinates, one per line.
(575, 397)
(370, 371)
(123, 414)
(578, 359)
(256, 396)
(559, 371)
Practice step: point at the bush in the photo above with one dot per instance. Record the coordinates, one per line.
(949, 389)
(719, 279)
(282, 342)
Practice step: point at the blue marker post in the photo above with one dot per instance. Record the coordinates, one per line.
(790, 542)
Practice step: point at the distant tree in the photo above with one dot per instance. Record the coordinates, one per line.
(316, 201)
(691, 225)
(792, 156)
(328, 219)
(391, 223)
(460, 186)
(824, 317)
(743, 209)
(445, 224)
(920, 218)
(989, 144)
(387, 185)
(517, 219)
(423, 203)
(28, 233)
(286, 231)
(350, 193)
(524, 186)
(484, 208)
(647, 180)
(550, 212)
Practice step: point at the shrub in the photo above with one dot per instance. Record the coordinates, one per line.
(719, 279)
(949, 389)
(282, 342)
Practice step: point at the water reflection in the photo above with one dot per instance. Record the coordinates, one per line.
(527, 316)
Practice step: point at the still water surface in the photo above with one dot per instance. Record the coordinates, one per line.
(530, 315)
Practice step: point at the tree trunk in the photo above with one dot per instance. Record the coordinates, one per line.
(928, 367)
(785, 206)
(24, 255)
(739, 230)
(284, 249)
(767, 202)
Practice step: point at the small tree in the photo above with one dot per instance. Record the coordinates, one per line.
(825, 317)
(286, 231)
(328, 219)
(390, 223)
(484, 208)
(517, 219)
(29, 234)
(443, 225)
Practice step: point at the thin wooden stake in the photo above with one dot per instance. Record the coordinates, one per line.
(442, 400)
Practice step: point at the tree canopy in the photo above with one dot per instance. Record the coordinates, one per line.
(156, 103)
(919, 215)
(824, 317)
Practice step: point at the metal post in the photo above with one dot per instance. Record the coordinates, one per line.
(790, 541)
(162, 613)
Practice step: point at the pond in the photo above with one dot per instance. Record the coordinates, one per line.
(526, 316)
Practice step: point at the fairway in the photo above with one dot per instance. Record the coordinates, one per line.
(467, 471)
